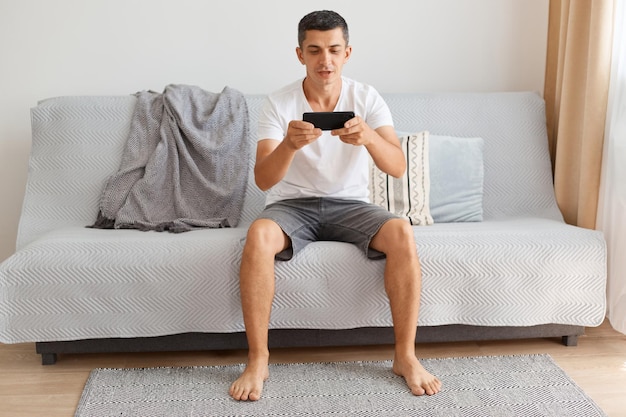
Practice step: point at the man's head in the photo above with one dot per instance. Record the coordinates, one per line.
(322, 20)
(323, 47)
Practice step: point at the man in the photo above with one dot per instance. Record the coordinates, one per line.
(305, 169)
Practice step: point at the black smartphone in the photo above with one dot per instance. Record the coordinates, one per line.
(328, 120)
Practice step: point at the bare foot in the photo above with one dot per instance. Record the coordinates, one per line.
(419, 380)
(250, 384)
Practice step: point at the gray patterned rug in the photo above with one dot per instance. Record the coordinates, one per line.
(525, 385)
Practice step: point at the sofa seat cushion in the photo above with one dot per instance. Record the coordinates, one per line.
(79, 283)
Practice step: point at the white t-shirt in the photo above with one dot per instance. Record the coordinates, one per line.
(327, 167)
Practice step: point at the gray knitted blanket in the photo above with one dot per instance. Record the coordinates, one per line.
(185, 164)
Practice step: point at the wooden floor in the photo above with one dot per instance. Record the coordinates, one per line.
(597, 364)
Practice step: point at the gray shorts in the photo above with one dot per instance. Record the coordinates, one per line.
(307, 220)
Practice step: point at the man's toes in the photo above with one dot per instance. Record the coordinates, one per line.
(235, 395)
(433, 387)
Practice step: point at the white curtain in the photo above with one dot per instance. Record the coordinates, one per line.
(612, 205)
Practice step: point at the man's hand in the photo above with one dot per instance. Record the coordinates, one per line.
(300, 134)
(355, 132)
(273, 157)
(382, 144)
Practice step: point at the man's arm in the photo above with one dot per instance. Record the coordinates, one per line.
(382, 144)
(273, 157)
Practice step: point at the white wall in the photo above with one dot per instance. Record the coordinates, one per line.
(84, 47)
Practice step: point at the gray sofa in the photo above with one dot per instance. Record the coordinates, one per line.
(510, 269)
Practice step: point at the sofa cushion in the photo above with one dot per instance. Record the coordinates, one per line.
(456, 179)
(406, 196)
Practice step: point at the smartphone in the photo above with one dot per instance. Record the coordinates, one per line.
(328, 120)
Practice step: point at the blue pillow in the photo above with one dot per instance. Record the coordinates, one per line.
(456, 179)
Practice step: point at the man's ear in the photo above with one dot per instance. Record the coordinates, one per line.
(299, 54)
(348, 52)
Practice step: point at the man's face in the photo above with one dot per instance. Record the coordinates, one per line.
(324, 53)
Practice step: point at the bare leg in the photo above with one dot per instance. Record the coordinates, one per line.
(265, 239)
(403, 286)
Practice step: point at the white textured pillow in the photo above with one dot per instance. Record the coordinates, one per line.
(407, 196)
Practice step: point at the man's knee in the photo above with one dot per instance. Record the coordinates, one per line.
(265, 234)
(395, 235)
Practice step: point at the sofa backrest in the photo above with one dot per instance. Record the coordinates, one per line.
(517, 168)
(78, 143)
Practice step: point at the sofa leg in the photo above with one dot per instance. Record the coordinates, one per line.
(48, 358)
(570, 340)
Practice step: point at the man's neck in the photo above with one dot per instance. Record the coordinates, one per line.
(322, 98)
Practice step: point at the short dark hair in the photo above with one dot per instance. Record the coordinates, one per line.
(322, 20)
